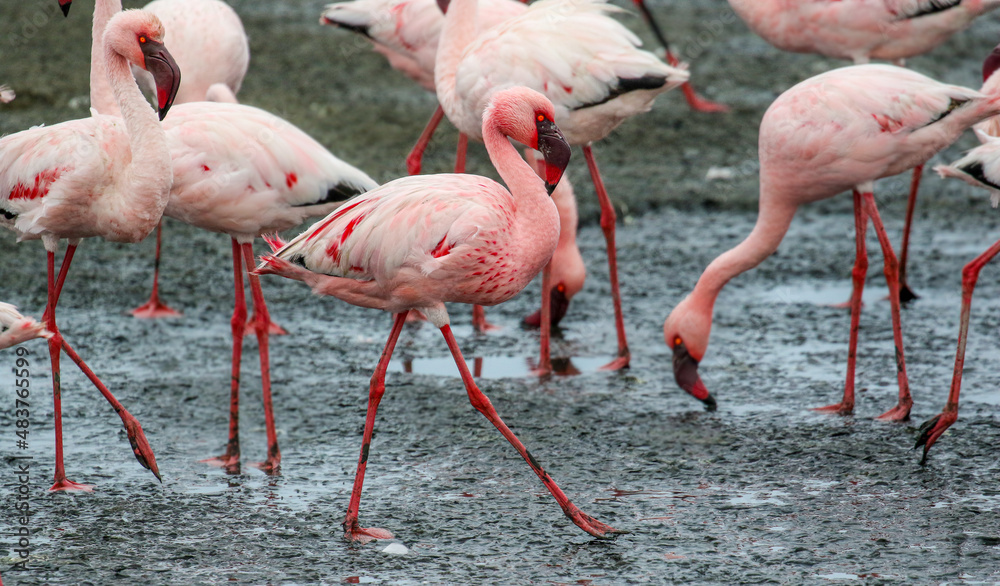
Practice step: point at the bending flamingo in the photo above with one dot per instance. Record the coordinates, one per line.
(585, 62)
(16, 328)
(419, 242)
(834, 132)
(861, 30)
(102, 176)
(980, 167)
(241, 171)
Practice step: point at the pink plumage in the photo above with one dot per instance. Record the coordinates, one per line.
(834, 132)
(421, 241)
(102, 177)
(16, 328)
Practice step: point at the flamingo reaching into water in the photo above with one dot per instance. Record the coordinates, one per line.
(862, 30)
(241, 171)
(834, 132)
(421, 241)
(980, 167)
(102, 176)
(585, 62)
(16, 328)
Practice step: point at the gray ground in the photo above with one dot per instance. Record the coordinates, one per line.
(761, 491)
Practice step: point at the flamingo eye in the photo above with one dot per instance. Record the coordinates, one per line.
(142, 39)
(541, 117)
(678, 341)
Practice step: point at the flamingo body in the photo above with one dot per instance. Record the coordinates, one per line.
(211, 46)
(859, 29)
(242, 171)
(585, 62)
(837, 131)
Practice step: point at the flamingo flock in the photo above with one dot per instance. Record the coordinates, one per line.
(548, 76)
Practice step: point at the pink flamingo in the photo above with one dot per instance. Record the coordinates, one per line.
(241, 171)
(980, 167)
(585, 62)
(862, 30)
(837, 131)
(421, 241)
(16, 328)
(102, 176)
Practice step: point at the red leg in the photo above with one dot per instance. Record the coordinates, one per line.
(932, 429)
(905, 293)
(608, 218)
(846, 406)
(155, 308)
(463, 146)
(261, 325)
(55, 346)
(695, 102)
(230, 460)
(482, 403)
(376, 389)
(415, 158)
(137, 438)
(901, 412)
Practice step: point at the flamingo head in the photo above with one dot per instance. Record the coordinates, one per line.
(64, 6)
(686, 332)
(527, 116)
(992, 63)
(138, 36)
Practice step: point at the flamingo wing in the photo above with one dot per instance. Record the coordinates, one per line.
(411, 223)
(570, 50)
(40, 168)
(237, 164)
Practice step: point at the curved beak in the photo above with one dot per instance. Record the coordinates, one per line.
(64, 5)
(166, 74)
(555, 150)
(686, 375)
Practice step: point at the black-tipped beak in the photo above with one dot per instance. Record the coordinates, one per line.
(686, 375)
(555, 150)
(64, 6)
(443, 5)
(166, 75)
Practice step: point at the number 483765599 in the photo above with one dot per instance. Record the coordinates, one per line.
(21, 413)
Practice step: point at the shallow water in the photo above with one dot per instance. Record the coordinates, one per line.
(763, 490)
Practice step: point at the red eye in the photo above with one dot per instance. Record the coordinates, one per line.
(678, 341)
(142, 39)
(541, 117)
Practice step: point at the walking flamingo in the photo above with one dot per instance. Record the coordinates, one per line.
(421, 241)
(980, 167)
(861, 30)
(16, 328)
(102, 176)
(585, 62)
(837, 131)
(243, 172)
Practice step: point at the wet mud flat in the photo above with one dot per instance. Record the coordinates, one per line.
(762, 490)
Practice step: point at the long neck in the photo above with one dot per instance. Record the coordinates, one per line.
(143, 188)
(457, 33)
(102, 98)
(773, 220)
(535, 213)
